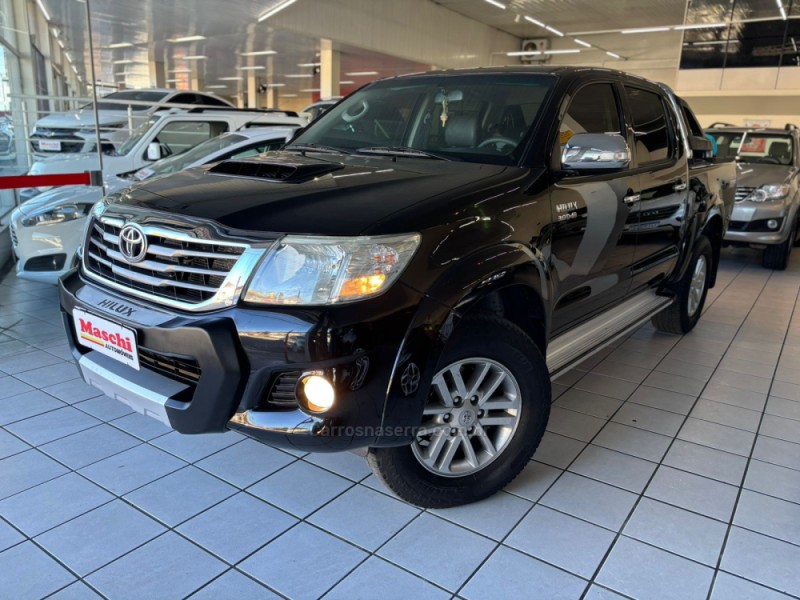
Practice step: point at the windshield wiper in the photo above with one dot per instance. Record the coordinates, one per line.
(401, 151)
(316, 148)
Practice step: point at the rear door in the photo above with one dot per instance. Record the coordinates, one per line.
(660, 159)
(592, 251)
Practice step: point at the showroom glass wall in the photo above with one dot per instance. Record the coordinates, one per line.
(743, 33)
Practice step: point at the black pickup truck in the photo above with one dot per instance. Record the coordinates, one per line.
(409, 272)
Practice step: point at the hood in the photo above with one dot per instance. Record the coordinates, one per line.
(753, 175)
(83, 119)
(66, 195)
(289, 193)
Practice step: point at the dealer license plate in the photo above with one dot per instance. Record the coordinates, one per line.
(50, 145)
(106, 337)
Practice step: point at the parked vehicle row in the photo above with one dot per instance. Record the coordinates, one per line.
(409, 272)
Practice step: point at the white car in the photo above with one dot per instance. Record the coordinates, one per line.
(320, 107)
(47, 231)
(75, 131)
(161, 135)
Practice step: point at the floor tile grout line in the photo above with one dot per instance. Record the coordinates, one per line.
(730, 526)
(619, 533)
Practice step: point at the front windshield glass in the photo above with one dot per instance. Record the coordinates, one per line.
(755, 147)
(179, 162)
(476, 118)
(132, 95)
(137, 135)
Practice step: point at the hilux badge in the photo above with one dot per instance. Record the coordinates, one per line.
(132, 243)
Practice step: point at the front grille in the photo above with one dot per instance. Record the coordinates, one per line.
(656, 214)
(14, 239)
(70, 142)
(743, 192)
(183, 369)
(189, 271)
(282, 394)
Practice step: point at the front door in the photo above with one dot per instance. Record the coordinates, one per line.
(592, 248)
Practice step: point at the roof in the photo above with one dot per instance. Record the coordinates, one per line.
(521, 69)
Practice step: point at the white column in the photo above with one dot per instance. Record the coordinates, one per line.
(329, 71)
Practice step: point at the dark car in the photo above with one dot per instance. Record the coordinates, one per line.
(408, 274)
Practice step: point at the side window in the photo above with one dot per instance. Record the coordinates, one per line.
(593, 109)
(256, 150)
(211, 101)
(650, 126)
(691, 121)
(179, 136)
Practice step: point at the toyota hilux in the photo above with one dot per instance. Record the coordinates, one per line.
(407, 275)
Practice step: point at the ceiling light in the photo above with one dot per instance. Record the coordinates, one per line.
(127, 61)
(524, 53)
(700, 26)
(44, 10)
(188, 38)
(570, 51)
(613, 54)
(361, 73)
(273, 85)
(276, 10)
(68, 56)
(309, 64)
(179, 71)
(230, 78)
(121, 45)
(173, 80)
(310, 90)
(258, 53)
(554, 30)
(582, 43)
(288, 95)
(299, 75)
(783, 10)
(60, 43)
(193, 57)
(535, 22)
(644, 30)
(497, 4)
(251, 68)
(217, 87)
(347, 82)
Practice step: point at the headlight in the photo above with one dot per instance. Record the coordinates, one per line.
(60, 214)
(767, 193)
(328, 270)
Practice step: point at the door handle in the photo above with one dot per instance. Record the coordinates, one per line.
(632, 199)
(680, 186)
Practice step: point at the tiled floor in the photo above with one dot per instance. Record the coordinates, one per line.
(671, 469)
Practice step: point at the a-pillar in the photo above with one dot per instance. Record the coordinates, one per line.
(329, 69)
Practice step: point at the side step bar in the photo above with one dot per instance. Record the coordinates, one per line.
(570, 348)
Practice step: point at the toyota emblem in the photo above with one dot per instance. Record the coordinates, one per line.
(132, 243)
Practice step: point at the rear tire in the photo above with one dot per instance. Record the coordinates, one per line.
(478, 444)
(681, 316)
(776, 257)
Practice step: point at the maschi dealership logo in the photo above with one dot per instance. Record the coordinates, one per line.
(111, 341)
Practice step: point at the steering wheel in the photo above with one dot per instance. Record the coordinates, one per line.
(351, 117)
(498, 141)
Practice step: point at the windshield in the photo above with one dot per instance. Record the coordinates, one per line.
(754, 147)
(476, 118)
(137, 135)
(181, 161)
(134, 95)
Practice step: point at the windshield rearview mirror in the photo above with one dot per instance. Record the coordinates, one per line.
(153, 151)
(595, 151)
(454, 96)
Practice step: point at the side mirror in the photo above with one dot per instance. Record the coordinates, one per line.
(702, 147)
(153, 151)
(595, 151)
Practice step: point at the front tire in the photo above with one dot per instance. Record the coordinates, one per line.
(776, 257)
(484, 418)
(681, 316)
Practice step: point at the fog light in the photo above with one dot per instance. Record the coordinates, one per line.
(772, 224)
(319, 393)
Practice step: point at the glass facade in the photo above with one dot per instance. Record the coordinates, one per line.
(742, 33)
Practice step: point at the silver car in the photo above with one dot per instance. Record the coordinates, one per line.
(765, 212)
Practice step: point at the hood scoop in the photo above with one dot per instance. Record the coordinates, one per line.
(283, 172)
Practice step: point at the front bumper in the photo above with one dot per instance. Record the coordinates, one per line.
(46, 252)
(748, 219)
(242, 354)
